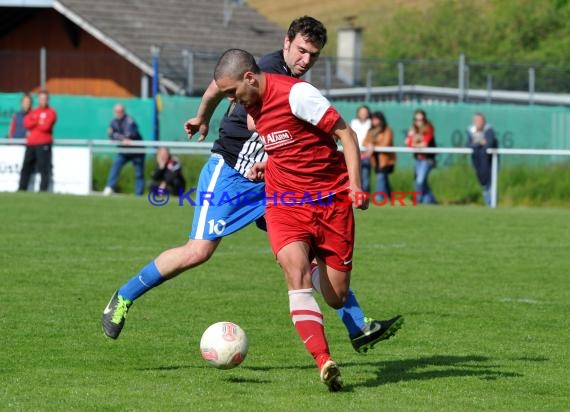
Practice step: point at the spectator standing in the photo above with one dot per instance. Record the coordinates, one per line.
(361, 124)
(124, 129)
(17, 128)
(381, 135)
(421, 135)
(39, 124)
(167, 173)
(480, 137)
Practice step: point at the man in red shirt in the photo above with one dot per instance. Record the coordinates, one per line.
(39, 123)
(308, 182)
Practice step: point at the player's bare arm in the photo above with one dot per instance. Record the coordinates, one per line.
(257, 172)
(251, 124)
(201, 122)
(349, 142)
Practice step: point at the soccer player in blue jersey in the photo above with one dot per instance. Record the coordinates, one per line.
(234, 153)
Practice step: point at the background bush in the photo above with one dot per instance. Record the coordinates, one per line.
(456, 184)
(191, 166)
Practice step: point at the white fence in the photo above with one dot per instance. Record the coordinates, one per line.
(494, 160)
(204, 148)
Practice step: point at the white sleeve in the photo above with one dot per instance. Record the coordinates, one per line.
(307, 103)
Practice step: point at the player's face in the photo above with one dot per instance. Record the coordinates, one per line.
(300, 54)
(241, 91)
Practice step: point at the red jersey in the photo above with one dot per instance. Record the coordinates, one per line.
(295, 122)
(39, 123)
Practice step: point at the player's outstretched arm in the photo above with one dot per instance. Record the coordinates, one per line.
(351, 151)
(201, 122)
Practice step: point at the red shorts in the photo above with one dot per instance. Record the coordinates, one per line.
(328, 229)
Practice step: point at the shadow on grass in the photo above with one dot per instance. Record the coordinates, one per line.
(532, 359)
(439, 366)
(167, 368)
(272, 368)
(403, 370)
(236, 379)
(400, 370)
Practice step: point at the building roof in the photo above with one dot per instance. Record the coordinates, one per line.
(206, 27)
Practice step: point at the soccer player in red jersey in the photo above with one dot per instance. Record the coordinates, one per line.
(225, 174)
(308, 181)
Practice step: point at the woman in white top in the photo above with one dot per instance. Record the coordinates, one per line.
(361, 125)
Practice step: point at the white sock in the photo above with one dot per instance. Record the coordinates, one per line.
(316, 279)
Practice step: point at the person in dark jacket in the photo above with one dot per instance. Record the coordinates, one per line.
(124, 129)
(167, 173)
(17, 128)
(480, 137)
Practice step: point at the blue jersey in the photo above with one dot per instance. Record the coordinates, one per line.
(240, 148)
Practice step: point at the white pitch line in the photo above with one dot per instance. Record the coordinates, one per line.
(524, 300)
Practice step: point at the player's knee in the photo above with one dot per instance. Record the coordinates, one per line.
(201, 255)
(298, 279)
(196, 254)
(337, 301)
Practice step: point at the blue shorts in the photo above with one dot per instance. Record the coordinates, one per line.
(225, 201)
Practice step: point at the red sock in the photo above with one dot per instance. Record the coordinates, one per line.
(308, 320)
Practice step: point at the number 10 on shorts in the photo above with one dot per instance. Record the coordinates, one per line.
(216, 227)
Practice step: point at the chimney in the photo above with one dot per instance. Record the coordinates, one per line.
(349, 52)
(229, 6)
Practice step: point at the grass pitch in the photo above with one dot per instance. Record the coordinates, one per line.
(484, 292)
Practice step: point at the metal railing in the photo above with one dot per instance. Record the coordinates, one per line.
(204, 148)
(469, 81)
(191, 70)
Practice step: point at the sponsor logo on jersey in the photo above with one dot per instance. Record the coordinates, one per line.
(277, 139)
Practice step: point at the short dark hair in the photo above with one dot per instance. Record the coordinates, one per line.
(43, 91)
(235, 63)
(310, 28)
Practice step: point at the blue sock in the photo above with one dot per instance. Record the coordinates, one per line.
(146, 279)
(351, 314)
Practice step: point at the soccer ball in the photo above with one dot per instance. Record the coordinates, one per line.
(224, 345)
